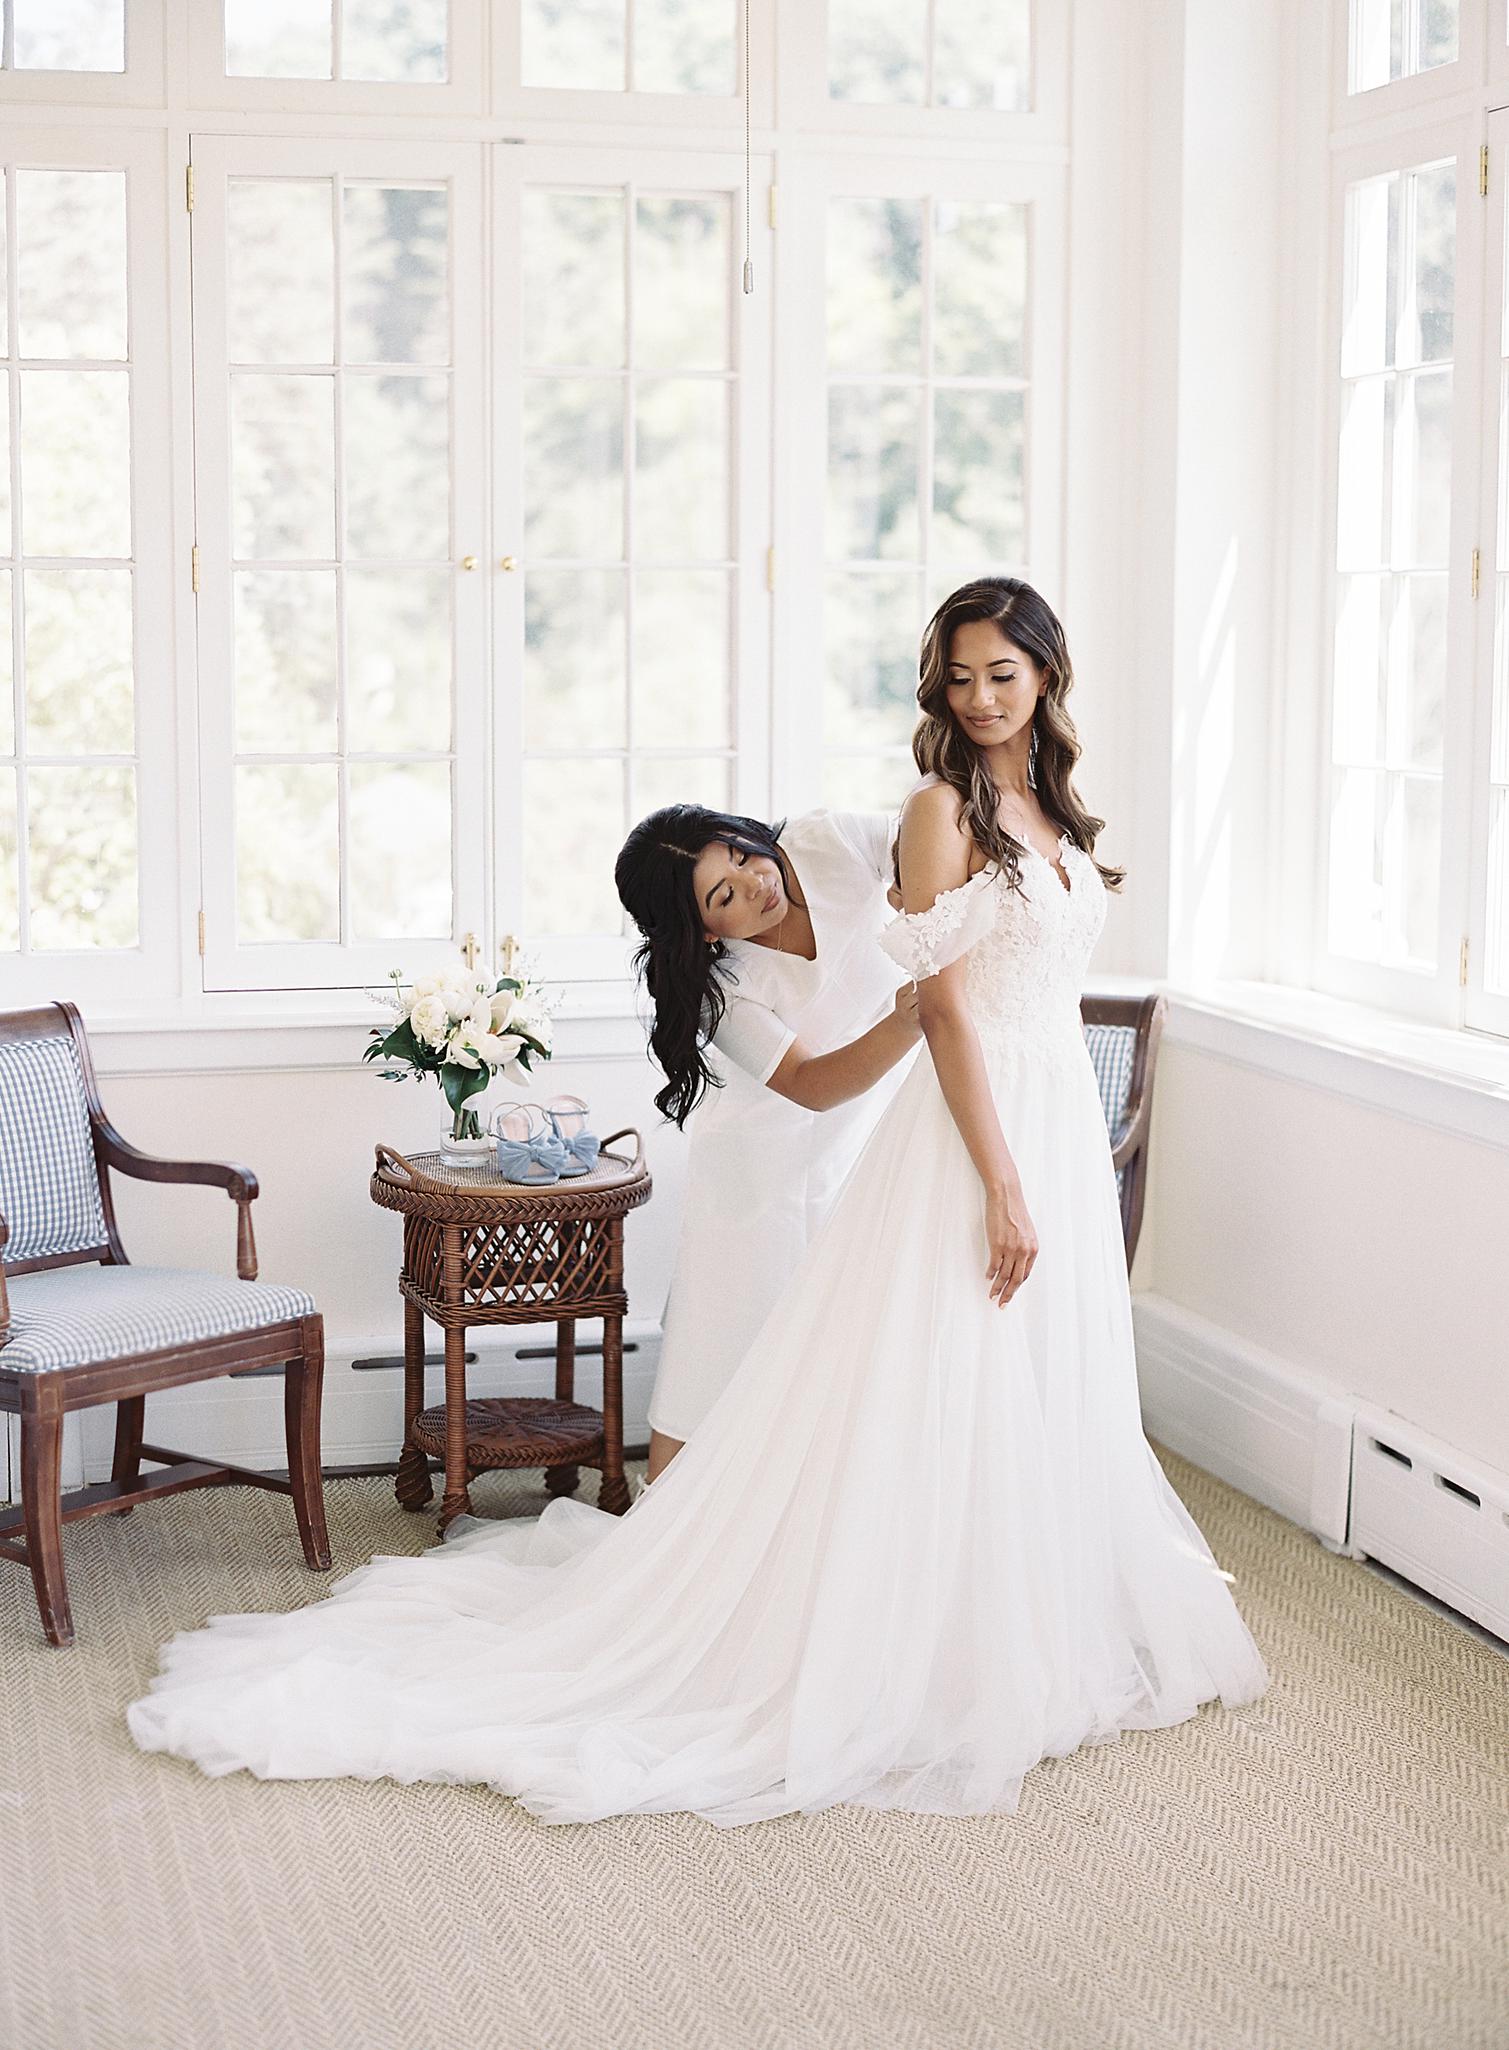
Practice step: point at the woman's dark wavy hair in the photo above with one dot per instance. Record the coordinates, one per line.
(942, 748)
(682, 971)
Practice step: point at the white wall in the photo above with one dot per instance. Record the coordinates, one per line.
(1366, 1250)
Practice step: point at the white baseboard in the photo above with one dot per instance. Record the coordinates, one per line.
(1245, 1415)
(362, 1412)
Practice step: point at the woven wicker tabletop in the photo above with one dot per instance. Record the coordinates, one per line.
(611, 1169)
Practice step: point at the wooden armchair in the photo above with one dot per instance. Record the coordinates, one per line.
(1122, 1034)
(79, 1325)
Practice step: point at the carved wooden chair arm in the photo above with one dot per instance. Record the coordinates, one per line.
(4, 1298)
(239, 1183)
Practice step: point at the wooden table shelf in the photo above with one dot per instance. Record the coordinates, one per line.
(477, 1251)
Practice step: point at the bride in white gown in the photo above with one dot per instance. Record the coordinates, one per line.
(920, 1542)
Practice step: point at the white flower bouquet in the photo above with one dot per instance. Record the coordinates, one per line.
(463, 1027)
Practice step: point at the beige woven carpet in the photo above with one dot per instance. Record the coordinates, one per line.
(1327, 1870)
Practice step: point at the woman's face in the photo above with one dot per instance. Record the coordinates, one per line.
(993, 685)
(738, 894)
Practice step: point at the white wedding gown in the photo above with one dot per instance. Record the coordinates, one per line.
(918, 1544)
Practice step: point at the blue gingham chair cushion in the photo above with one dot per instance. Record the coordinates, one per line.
(1112, 1051)
(70, 1316)
(49, 1188)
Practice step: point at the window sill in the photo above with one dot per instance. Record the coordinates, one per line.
(1456, 1081)
(302, 1030)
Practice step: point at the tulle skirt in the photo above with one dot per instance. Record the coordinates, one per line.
(919, 1544)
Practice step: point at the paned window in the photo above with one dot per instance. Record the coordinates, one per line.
(327, 318)
(639, 46)
(632, 386)
(388, 42)
(1394, 497)
(1389, 40)
(68, 748)
(928, 396)
(931, 53)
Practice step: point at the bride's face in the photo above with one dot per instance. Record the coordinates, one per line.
(738, 894)
(993, 685)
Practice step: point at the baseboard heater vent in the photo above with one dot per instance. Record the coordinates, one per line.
(1433, 1515)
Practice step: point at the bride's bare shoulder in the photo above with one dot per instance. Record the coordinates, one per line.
(934, 812)
(935, 850)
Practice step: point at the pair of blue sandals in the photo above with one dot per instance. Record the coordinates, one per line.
(546, 1142)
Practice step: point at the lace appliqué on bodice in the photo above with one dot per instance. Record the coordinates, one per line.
(1028, 950)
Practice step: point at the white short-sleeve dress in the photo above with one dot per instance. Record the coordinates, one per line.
(763, 1173)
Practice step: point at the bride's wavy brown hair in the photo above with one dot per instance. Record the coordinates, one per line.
(942, 748)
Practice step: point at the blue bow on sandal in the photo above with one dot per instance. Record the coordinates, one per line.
(568, 1118)
(528, 1152)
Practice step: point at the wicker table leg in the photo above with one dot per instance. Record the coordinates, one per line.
(564, 1480)
(411, 1483)
(613, 1495)
(457, 1500)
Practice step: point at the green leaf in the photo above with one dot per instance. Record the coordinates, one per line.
(461, 1083)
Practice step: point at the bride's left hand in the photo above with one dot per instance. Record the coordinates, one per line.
(1013, 1242)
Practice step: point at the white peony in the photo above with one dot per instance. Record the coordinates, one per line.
(458, 996)
(427, 986)
(429, 1020)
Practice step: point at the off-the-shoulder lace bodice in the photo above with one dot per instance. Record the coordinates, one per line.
(1027, 949)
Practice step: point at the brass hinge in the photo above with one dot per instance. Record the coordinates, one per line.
(201, 930)
(770, 206)
(770, 569)
(1477, 570)
(1462, 967)
(188, 186)
(1483, 170)
(194, 568)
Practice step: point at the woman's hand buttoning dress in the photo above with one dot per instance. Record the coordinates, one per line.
(919, 1542)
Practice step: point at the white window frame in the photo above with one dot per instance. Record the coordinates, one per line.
(606, 958)
(461, 93)
(229, 965)
(1418, 96)
(806, 104)
(139, 85)
(1498, 47)
(149, 968)
(1487, 1010)
(808, 182)
(1434, 995)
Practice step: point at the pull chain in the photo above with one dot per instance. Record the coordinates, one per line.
(748, 260)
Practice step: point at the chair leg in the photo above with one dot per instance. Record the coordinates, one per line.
(303, 1381)
(130, 1422)
(42, 1511)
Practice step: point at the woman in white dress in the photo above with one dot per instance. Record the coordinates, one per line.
(781, 1031)
(920, 1542)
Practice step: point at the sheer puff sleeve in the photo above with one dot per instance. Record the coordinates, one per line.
(922, 942)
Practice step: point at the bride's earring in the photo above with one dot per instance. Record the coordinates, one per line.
(1032, 758)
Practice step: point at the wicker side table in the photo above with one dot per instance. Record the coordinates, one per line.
(477, 1250)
